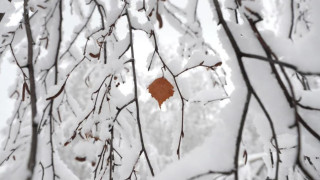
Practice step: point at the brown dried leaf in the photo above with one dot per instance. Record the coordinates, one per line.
(24, 88)
(150, 14)
(88, 134)
(81, 159)
(217, 64)
(42, 7)
(58, 93)
(159, 18)
(72, 138)
(161, 89)
(245, 156)
(93, 163)
(27, 88)
(94, 55)
(23, 91)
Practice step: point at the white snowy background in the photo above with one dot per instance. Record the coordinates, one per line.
(210, 130)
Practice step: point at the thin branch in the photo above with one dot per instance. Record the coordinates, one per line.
(240, 131)
(136, 94)
(292, 19)
(8, 157)
(250, 88)
(226, 173)
(78, 33)
(34, 124)
(111, 156)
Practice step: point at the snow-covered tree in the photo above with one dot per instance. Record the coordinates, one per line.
(142, 89)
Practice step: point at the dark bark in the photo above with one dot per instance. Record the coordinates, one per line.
(239, 55)
(55, 83)
(33, 98)
(136, 95)
(1, 16)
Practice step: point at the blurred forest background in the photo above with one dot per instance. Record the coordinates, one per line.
(159, 89)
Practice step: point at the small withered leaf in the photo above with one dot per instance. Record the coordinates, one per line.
(93, 163)
(27, 88)
(150, 14)
(74, 135)
(81, 159)
(42, 7)
(23, 91)
(94, 55)
(161, 89)
(88, 135)
(58, 93)
(245, 156)
(24, 88)
(217, 64)
(72, 138)
(159, 18)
